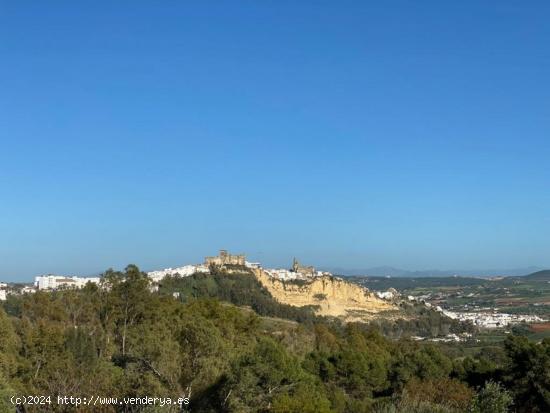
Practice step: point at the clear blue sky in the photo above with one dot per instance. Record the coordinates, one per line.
(350, 134)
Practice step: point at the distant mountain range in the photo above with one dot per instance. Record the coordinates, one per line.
(397, 272)
(539, 275)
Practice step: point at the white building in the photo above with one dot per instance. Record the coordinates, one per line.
(3, 287)
(184, 271)
(489, 319)
(385, 295)
(53, 282)
(287, 275)
(279, 273)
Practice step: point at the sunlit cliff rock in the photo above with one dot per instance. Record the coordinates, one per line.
(334, 296)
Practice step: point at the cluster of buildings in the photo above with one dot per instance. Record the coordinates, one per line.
(491, 319)
(288, 275)
(485, 317)
(225, 259)
(449, 338)
(297, 271)
(47, 282)
(184, 271)
(391, 294)
(54, 282)
(6, 289)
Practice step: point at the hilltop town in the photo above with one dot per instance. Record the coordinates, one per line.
(300, 286)
(224, 259)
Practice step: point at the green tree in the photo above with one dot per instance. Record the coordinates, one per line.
(9, 346)
(304, 398)
(258, 377)
(130, 299)
(492, 398)
(527, 374)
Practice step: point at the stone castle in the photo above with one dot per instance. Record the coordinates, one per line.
(225, 258)
(297, 270)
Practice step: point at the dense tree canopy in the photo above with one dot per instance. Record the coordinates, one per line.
(122, 339)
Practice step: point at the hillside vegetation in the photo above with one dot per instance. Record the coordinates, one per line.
(242, 288)
(126, 341)
(239, 287)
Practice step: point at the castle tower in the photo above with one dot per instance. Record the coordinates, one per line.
(295, 265)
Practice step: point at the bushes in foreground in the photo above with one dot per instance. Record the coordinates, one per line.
(125, 341)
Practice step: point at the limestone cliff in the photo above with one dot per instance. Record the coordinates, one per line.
(335, 297)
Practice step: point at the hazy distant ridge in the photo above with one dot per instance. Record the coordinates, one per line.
(397, 272)
(539, 275)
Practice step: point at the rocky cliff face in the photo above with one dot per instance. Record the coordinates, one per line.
(335, 297)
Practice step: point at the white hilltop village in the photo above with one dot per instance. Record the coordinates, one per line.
(297, 271)
(52, 282)
(485, 318)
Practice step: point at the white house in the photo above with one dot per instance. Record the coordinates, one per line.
(53, 282)
(3, 287)
(184, 271)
